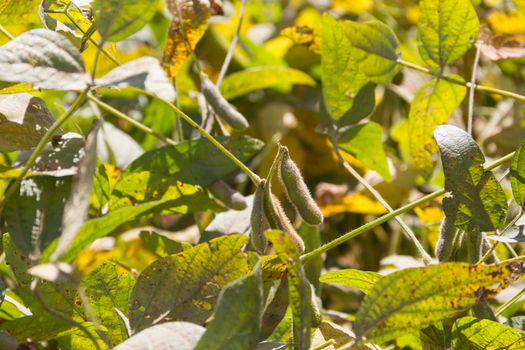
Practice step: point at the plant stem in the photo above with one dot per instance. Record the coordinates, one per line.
(253, 177)
(41, 145)
(374, 223)
(408, 232)
(484, 88)
(509, 302)
(231, 49)
(6, 32)
(479, 44)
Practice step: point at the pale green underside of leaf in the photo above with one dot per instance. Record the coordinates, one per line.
(415, 298)
(365, 142)
(253, 79)
(185, 286)
(446, 29)
(44, 59)
(116, 19)
(476, 200)
(144, 73)
(166, 336)
(432, 105)
(517, 175)
(472, 333)
(352, 55)
(237, 318)
(362, 280)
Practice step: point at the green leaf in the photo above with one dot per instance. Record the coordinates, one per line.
(362, 280)
(517, 175)
(143, 187)
(144, 73)
(185, 286)
(257, 78)
(16, 12)
(237, 317)
(24, 119)
(353, 55)
(166, 336)
(472, 333)
(298, 287)
(432, 105)
(195, 162)
(18, 262)
(44, 59)
(116, 19)
(446, 29)
(476, 199)
(105, 225)
(415, 298)
(107, 288)
(33, 216)
(365, 142)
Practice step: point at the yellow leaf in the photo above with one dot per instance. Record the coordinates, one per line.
(429, 215)
(352, 203)
(190, 21)
(353, 6)
(303, 35)
(507, 23)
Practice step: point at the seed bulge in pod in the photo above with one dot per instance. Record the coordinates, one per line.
(257, 220)
(221, 107)
(315, 310)
(227, 195)
(447, 236)
(286, 226)
(298, 192)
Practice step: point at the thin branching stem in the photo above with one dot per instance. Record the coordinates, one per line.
(382, 219)
(6, 32)
(233, 45)
(509, 302)
(406, 229)
(472, 90)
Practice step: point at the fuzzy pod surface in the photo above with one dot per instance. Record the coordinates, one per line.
(315, 310)
(447, 236)
(221, 106)
(227, 195)
(257, 220)
(297, 191)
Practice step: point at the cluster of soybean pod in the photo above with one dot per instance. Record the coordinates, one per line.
(267, 212)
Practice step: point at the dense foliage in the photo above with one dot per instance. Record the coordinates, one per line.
(191, 174)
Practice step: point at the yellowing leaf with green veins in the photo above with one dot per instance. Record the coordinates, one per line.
(185, 286)
(470, 333)
(415, 298)
(353, 55)
(475, 200)
(253, 79)
(362, 280)
(517, 175)
(432, 105)
(446, 29)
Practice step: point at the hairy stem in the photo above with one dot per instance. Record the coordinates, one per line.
(479, 44)
(408, 232)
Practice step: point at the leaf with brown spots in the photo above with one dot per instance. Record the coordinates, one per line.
(190, 21)
(415, 298)
(185, 286)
